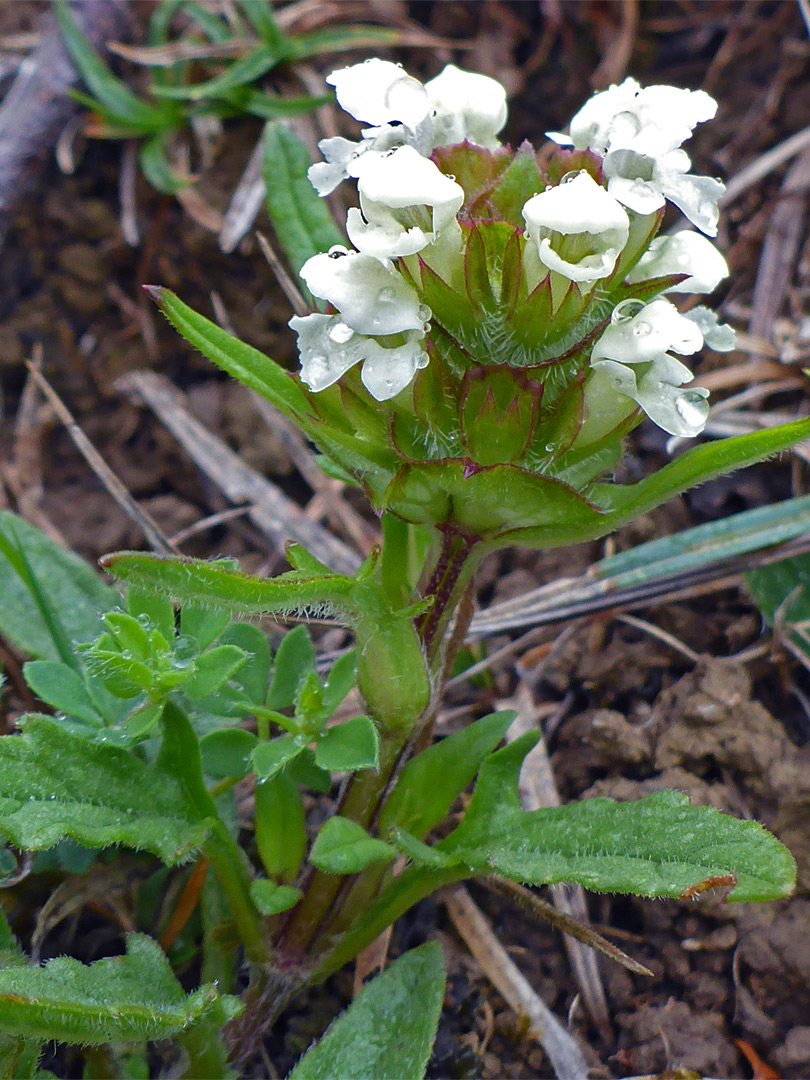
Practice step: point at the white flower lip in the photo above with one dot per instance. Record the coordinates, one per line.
(583, 209)
(647, 335)
(378, 92)
(658, 391)
(406, 203)
(643, 184)
(328, 348)
(684, 252)
(466, 106)
(370, 295)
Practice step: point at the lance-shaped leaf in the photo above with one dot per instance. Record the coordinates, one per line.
(301, 219)
(656, 846)
(242, 361)
(389, 1028)
(115, 1000)
(54, 784)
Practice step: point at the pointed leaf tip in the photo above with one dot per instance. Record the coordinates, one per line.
(155, 291)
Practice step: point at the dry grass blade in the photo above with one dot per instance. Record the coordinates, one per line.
(563, 1052)
(764, 165)
(145, 522)
(276, 515)
(288, 286)
(539, 908)
(246, 201)
(538, 789)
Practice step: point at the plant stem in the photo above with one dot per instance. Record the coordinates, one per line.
(455, 564)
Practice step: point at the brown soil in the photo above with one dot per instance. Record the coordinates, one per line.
(638, 714)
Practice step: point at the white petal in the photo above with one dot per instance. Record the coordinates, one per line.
(327, 347)
(371, 296)
(654, 330)
(684, 252)
(591, 127)
(385, 237)
(377, 91)
(716, 335)
(580, 208)
(387, 371)
(695, 196)
(467, 106)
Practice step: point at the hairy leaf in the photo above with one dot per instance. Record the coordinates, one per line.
(301, 219)
(656, 846)
(112, 1001)
(344, 847)
(388, 1030)
(54, 784)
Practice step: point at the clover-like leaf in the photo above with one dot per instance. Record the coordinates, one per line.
(344, 847)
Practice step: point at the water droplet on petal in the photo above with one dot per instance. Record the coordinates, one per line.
(424, 312)
(642, 329)
(690, 408)
(336, 251)
(626, 310)
(386, 294)
(340, 333)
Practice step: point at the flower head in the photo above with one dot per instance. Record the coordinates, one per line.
(379, 92)
(406, 203)
(578, 228)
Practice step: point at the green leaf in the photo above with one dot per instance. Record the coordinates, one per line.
(54, 784)
(781, 593)
(252, 678)
(246, 69)
(227, 753)
(213, 669)
(301, 219)
(47, 581)
(269, 758)
(273, 107)
(431, 781)
(342, 679)
(344, 847)
(351, 745)
(241, 361)
(388, 1031)
(153, 157)
(280, 826)
(202, 624)
(116, 1000)
(656, 846)
(128, 632)
(113, 94)
(294, 658)
(152, 611)
(272, 899)
(62, 688)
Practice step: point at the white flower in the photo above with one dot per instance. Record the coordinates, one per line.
(658, 391)
(631, 357)
(379, 92)
(371, 296)
(579, 229)
(684, 252)
(643, 183)
(645, 335)
(455, 106)
(650, 121)
(467, 106)
(639, 132)
(329, 347)
(406, 203)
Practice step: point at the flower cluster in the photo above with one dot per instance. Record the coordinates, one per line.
(496, 315)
